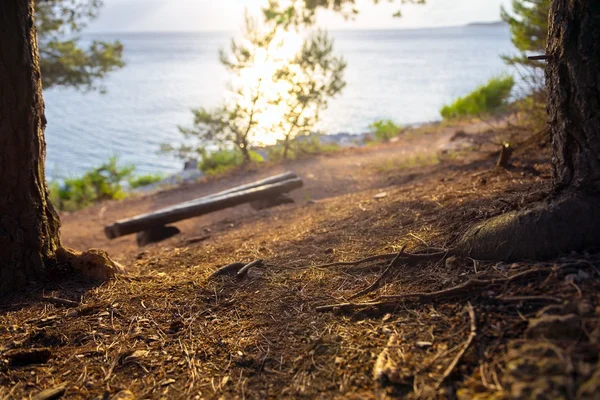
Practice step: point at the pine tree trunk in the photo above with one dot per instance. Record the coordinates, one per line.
(573, 83)
(570, 219)
(29, 226)
(286, 147)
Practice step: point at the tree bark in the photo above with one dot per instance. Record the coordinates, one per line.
(570, 219)
(29, 225)
(573, 84)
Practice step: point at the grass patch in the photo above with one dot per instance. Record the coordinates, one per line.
(486, 99)
(384, 130)
(144, 180)
(301, 147)
(221, 161)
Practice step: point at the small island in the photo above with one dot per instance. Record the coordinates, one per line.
(487, 23)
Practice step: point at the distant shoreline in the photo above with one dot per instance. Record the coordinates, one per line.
(491, 23)
(470, 24)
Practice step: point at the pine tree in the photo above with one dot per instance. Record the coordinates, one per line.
(313, 77)
(63, 60)
(529, 31)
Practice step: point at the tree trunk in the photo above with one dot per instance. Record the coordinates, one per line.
(286, 147)
(570, 219)
(573, 84)
(29, 226)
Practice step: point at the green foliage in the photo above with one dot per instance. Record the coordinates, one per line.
(528, 25)
(300, 147)
(384, 130)
(303, 12)
(485, 99)
(313, 77)
(265, 82)
(222, 126)
(529, 30)
(101, 183)
(144, 180)
(236, 122)
(223, 160)
(63, 62)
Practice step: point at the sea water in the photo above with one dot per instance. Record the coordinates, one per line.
(403, 75)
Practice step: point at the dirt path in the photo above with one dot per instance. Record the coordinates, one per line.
(326, 176)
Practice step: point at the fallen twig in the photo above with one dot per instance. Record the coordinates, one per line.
(523, 299)
(395, 262)
(244, 271)
(50, 394)
(60, 302)
(197, 239)
(462, 352)
(230, 269)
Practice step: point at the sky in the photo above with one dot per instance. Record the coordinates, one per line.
(227, 15)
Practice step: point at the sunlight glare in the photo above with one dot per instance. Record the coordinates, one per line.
(259, 78)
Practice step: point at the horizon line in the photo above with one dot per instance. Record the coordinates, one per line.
(372, 29)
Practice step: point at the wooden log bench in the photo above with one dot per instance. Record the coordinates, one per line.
(152, 227)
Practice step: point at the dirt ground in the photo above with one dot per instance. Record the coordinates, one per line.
(439, 328)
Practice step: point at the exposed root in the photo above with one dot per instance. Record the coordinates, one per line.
(543, 231)
(93, 265)
(469, 288)
(244, 271)
(230, 269)
(406, 258)
(395, 263)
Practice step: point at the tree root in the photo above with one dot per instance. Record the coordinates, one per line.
(244, 271)
(571, 222)
(230, 269)
(469, 288)
(395, 263)
(239, 269)
(406, 258)
(93, 265)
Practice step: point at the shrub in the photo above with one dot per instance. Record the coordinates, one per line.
(144, 180)
(223, 160)
(384, 130)
(299, 147)
(101, 183)
(485, 99)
